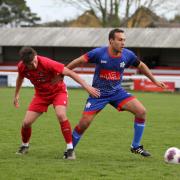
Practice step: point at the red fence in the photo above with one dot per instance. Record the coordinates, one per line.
(146, 85)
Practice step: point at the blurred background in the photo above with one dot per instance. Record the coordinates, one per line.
(65, 29)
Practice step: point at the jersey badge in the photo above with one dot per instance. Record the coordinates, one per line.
(88, 105)
(122, 64)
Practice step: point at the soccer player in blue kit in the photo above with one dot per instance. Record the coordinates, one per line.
(110, 64)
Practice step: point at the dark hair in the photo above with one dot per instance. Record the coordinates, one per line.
(27, 54)
(112, 33)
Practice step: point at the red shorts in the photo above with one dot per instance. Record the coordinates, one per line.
(40, 103)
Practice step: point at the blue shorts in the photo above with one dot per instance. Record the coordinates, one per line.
(94, 105)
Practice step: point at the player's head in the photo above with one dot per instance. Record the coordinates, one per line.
(29, 57)
(117, 39)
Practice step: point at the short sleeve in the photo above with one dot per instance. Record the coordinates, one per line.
(92, 56)
(55, 66)
(132, 58)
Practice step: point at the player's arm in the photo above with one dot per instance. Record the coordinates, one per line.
(146, 71)
(76, 62)
(91, 90)
(19, 82)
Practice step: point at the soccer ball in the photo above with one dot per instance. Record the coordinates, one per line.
(172, 155)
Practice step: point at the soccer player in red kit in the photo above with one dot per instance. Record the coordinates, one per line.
(43, 72)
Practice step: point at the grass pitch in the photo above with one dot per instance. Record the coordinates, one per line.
(103, 152)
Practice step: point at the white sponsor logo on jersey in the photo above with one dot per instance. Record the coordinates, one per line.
(103, 62)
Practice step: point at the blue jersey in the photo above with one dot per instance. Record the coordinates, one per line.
(109, 69)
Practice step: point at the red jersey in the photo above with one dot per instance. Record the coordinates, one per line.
(41, 77)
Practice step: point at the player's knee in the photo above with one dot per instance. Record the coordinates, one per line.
(141, 113)
(84, 124)
(85, 121)
(26, 124)
(61, 116)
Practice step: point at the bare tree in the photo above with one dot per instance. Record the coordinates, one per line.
(160, 7)
(105, 10)
(110, 12)
(163, 6)
(127, 8)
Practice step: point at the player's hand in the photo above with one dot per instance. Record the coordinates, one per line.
(160, 84)
(58, 78)
(16, 101)
(93, 91)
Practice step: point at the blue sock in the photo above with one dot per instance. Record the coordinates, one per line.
(76, 137)
(138, 132)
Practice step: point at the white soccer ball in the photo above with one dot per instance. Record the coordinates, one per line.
(172, 155)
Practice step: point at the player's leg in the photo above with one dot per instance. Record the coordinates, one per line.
(80, 128)
(37, 106)
(65, 125)
(134, 106)
(92, 107)
(60, 106)
(26, 129)
(125, 101)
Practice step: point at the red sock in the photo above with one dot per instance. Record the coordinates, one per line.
(25, 134)
(139, 120)
(66, 131)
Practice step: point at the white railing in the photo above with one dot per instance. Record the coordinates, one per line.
(11, 79)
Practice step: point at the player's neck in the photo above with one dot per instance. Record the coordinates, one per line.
(113, 52)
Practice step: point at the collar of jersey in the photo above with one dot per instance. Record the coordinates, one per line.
(112, 56)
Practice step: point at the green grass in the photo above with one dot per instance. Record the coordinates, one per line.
(103, 152)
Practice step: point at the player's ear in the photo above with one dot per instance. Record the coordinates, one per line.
(110, 41)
